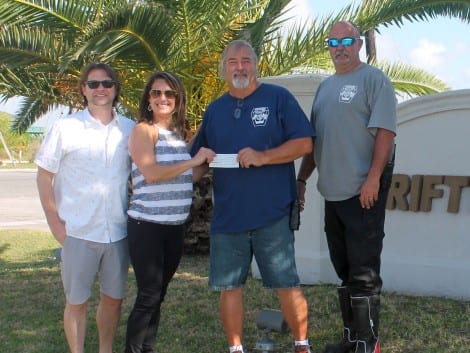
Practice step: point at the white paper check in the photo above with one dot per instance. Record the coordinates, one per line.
(225, 161)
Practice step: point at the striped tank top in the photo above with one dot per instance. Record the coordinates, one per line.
(168, 201)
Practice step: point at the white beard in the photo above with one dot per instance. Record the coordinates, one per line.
(240, 83)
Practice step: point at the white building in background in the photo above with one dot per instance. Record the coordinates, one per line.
(427, 242)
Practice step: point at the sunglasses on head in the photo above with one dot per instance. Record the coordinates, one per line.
(345, 42)
(105, 83)
(155, 93)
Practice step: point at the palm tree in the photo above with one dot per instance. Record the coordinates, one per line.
(422, 10)
(44, 45)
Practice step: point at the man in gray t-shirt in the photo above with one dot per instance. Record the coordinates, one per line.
(354, 118)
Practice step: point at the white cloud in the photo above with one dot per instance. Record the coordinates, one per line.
(300, 8)
(448, 63)
(299, 11)
(462, 47)
(418, 44)
(428, 55)
(466, 73)
(389, 50)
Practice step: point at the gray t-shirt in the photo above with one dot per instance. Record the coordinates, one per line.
(347, 110)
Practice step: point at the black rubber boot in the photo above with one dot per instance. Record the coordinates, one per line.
(366, 323)
(348, 343)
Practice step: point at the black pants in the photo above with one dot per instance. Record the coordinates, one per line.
(155, 252)
(355, 239)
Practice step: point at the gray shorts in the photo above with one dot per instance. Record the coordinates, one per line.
(231, 255)
(83, 259)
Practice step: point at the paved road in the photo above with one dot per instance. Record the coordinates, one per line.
(20, 207)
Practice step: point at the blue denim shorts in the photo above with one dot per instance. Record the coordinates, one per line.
(231, 255)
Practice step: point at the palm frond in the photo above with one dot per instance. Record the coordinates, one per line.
(20, 48)
(412, 81)
(29, 110)
(373, 13)
(60, 16)
(44, 44)
(138, 34)
(267, 25)
(302, 48)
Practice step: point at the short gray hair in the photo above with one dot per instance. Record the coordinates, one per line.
(236, 44)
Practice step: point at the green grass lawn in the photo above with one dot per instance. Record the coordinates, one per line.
(32, 300)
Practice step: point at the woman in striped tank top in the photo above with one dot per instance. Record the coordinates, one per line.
(162, 174)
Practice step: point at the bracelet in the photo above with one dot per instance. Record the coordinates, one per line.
(302, 181)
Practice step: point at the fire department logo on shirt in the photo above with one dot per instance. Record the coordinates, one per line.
(347, 93)
(259, 116)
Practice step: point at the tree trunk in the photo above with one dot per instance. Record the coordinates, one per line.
(198, 225)
(371, 51)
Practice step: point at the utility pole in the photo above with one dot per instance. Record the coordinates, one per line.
(6, 148)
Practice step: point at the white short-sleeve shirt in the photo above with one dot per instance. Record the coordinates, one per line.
(91, 164)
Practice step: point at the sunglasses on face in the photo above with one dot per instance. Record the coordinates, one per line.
(93, 84)
(155, 93)
(345, 42)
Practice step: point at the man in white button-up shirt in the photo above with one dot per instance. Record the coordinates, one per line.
(83, 170)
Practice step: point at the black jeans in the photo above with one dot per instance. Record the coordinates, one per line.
(355, 239)
(155, 251)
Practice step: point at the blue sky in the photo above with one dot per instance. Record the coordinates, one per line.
(441, 47)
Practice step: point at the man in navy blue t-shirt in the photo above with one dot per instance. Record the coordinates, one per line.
(257, 131)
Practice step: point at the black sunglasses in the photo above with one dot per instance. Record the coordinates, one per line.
(93, 84)
(238, 110)
(155, 93)
(345, 42)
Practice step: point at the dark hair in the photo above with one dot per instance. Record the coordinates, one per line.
(180, 122)
(111, 73)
